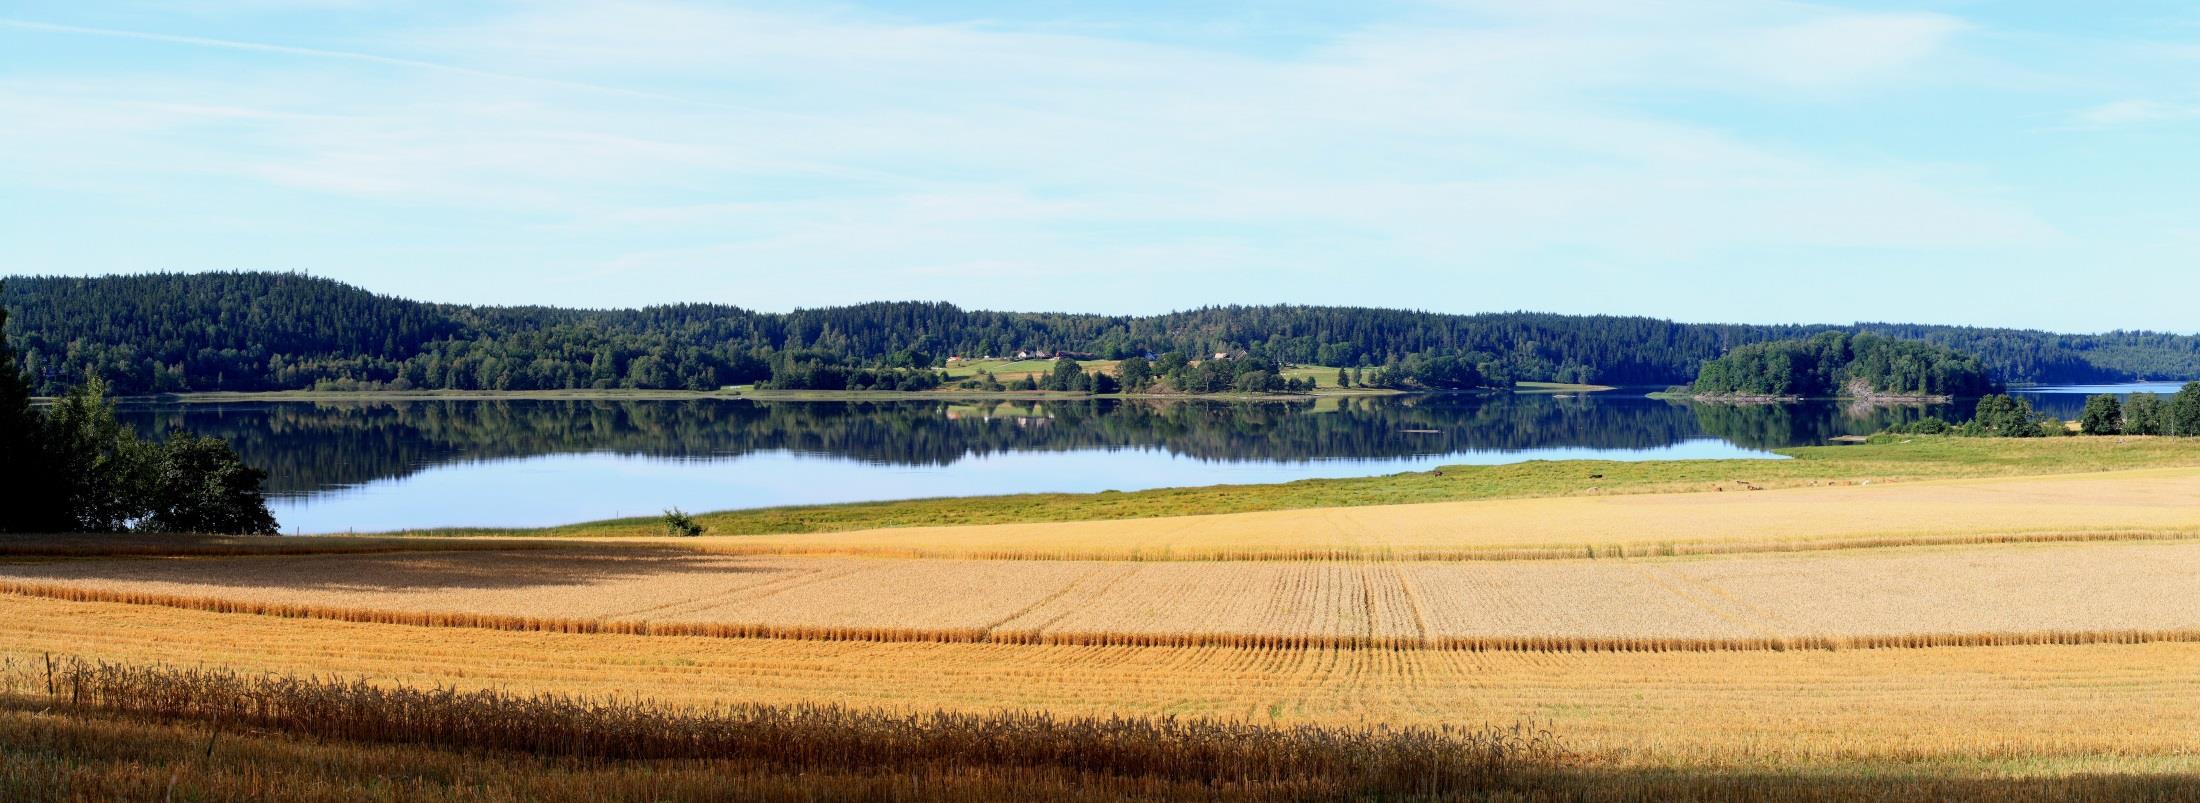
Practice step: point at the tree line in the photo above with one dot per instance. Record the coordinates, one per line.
(73, 468)
(156, 333)
(2003, 416)
(1838, 364)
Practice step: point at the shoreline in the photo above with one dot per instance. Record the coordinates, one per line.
(1741, 399)
(1879, 459)
(219, 397)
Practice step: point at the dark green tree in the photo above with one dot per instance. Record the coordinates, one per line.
(2146, 414)
(99, 469)
(1066, 375)
(2005, 417)
(2184, 410)
(1134, 372)
(199, 485)
(25, 468)
(2104, 415)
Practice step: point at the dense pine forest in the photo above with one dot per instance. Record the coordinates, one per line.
(156, 333)
(1838, 364)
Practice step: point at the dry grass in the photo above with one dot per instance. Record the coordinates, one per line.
(1300, 761)
(2131, 593)
(46, 756)
(1980, 712)
(2131, 504)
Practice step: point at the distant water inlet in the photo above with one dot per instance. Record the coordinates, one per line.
(370, 466)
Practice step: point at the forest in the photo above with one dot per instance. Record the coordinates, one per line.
(248, 331)
(1836, 364)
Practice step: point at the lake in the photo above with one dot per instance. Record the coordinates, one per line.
(386, 465)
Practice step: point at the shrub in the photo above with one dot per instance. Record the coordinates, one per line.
(2004, 416)
(679, 523)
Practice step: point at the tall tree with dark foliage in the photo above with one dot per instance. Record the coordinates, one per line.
(75, 469)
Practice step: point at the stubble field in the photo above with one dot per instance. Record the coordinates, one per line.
(2132, 591)
(2032, 710)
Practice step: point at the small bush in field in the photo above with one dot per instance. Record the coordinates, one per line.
(679, 523)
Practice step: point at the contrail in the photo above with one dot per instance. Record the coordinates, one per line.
(370, 58)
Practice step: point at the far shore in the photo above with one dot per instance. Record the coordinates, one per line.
(1745, 398)
(619, 394)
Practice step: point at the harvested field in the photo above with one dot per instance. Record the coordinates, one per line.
(16, 545)
(2111, 592)
(2015, 711)
(2148, 504)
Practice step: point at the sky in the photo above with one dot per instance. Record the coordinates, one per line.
(2023, 164)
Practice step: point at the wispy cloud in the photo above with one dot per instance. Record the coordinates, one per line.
(2136, 111)
(320, 53)
(634, 143)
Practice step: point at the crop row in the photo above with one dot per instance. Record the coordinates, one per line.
(1555, 644)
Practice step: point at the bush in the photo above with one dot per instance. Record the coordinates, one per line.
(2005, 416)
(199, 485)
(2103, 415)
(679, 524)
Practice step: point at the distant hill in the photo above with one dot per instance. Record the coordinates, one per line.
(271, 331)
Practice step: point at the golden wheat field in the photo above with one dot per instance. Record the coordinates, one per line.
(2034, 635)
(1998, 710)
(1881, 597)
(2153, 501)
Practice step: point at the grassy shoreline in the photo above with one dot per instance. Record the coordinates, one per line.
(1883, 459)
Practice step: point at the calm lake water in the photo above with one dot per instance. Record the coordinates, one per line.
(368, 466)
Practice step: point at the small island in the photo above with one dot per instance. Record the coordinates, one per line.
(1835, 365)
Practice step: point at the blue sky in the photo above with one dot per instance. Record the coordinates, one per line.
(2021, 164)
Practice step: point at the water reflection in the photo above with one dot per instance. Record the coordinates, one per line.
(382, 465)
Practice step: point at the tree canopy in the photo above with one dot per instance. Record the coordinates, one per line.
(154, 333)
(1834, 364)
(74, 468)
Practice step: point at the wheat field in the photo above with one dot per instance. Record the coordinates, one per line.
(2016, 629)
(2152, 503)
(2131, 591)
(2035, 710)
